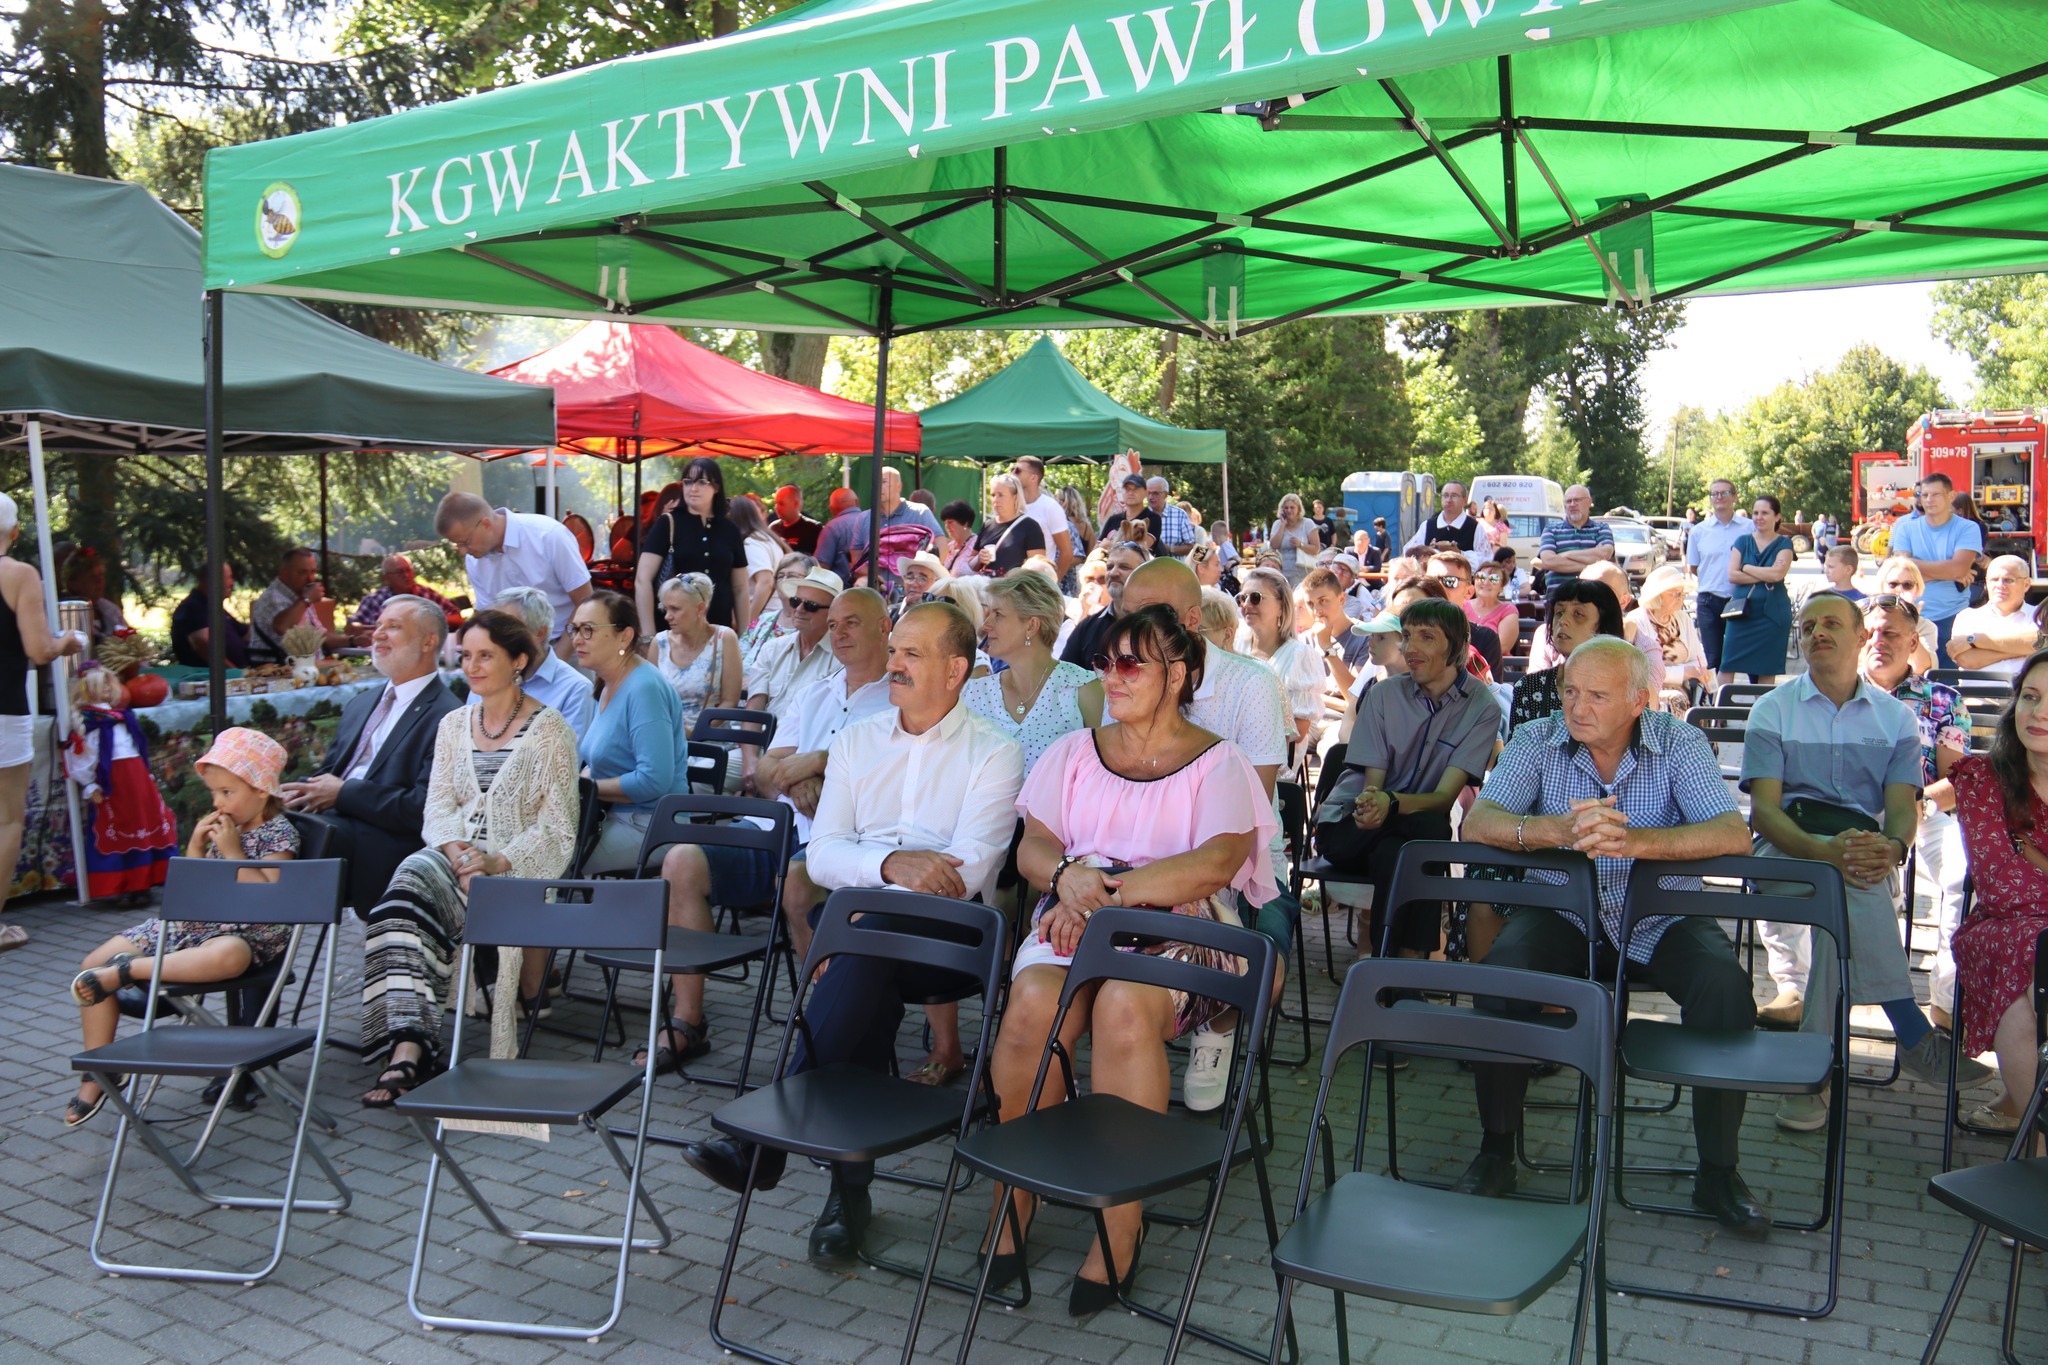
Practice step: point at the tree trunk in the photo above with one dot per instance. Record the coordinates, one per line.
(95, 512)
(1169, 372)
(796, 356)
(725, 17)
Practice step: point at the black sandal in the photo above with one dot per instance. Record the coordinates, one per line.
(78, 1112)
(399, 1079)
(87, 990)
(668, 1060)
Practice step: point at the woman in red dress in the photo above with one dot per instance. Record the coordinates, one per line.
(2002, 801)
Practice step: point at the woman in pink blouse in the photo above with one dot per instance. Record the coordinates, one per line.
(2002, 801)
(1150, 810)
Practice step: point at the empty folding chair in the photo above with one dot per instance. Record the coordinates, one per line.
(846, 1113)
(209, 891)
(507, 912)
(747, 823)
(1293, 802)
(1390, 1239)
(1740, 693)
(1721, 725)
(1789, 891)
(2009, 1197)
(1101, 1151)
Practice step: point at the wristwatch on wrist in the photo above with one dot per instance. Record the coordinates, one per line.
(1393, 805)
(1903, 850)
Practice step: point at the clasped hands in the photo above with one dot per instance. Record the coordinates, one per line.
(1083, 890)
(1865, 856)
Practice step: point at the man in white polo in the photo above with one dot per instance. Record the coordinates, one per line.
(503, 549)
(1045, 509)
(1706, 556)
(1998, 636)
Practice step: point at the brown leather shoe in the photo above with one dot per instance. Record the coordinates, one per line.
(1784, 1012)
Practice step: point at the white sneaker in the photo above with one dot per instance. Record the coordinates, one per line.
(1207, 1081)
(1803, 1113)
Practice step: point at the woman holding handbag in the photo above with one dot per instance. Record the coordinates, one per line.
(1759, 616)
(1150, 810)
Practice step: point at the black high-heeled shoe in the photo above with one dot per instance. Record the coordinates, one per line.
(1009, 1265)
(1092, 1296)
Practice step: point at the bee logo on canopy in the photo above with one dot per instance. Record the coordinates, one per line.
(277, 219)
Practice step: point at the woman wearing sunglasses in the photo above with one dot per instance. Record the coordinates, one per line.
(1268, 635)
(1150, 810)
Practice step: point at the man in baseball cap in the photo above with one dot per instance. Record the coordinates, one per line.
(1134, 520)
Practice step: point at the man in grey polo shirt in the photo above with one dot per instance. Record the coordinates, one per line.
(1419, 741)
(1706, 555)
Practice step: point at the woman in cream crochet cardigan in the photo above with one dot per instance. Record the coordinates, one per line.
(501, 803)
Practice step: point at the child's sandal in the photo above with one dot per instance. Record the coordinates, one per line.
(86, 988)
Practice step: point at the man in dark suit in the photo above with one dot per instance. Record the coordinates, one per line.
(372, 791)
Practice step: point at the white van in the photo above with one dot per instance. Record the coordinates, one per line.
(1532, 505)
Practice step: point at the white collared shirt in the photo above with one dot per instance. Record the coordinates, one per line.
(824, 709)
(782, 672)
(952, 789)
(1241, 700)
(539, 552)
(372, 742)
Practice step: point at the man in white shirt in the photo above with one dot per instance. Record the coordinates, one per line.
(1706, 556)
(503, 549)
(787, 666)
(793, 772)
(1453, 523)
(1046, 511)
(923, 799)
(1999, 635)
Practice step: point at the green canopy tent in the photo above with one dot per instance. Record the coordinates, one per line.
(96, 358)
(1213, 167)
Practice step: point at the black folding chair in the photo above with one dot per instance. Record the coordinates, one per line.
(2009, 1197)
(1100, 1151)
(1721, 725)
(1789, 891)
(1293, 802)
(735, 725)
(703, 952)
(208, 891)
(1743, 694)
(848, 1113)
(1402, 1242)
(506, 912)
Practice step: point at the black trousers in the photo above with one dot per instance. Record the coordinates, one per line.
(1372, 853)
(1693, 963)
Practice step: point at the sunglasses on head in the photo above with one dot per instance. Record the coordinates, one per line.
(1891, 601)
(1125, 666)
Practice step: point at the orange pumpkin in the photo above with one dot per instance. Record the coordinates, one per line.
(148, 689)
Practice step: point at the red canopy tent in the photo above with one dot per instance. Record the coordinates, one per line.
(627, 393)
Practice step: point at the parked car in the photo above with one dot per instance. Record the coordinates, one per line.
(1637, 547)
(1672, 529)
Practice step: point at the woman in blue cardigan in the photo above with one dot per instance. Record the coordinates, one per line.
(634, 747)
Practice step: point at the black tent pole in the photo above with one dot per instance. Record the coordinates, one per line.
(216, 536)
(326, 567)
(883, 322)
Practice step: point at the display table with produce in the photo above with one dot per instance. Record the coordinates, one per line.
(302, 719)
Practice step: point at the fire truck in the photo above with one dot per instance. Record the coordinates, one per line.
(1999, 458)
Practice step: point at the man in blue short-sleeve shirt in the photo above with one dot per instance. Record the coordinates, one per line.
(1945, 547)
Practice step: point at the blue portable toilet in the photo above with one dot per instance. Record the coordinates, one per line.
(1404, 498)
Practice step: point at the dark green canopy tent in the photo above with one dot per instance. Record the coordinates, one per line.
(1039, 404)
(99, 324)
(100, 321)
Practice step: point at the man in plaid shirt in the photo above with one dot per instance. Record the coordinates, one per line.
(1609, 777)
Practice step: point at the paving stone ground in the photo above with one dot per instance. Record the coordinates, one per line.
(340, 1294)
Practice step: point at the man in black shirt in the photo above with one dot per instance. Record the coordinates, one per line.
(1142, 522)
(189, 624)
(1086, 639)
(798, 531)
